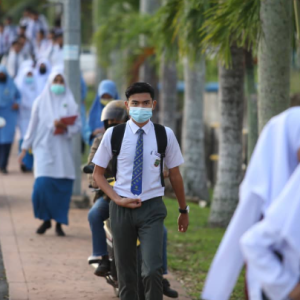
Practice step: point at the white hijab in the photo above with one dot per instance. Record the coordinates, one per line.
(56, 106)
(29, 92)
(42, 78)
(273, 162)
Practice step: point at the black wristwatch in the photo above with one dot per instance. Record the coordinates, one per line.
(184, 211)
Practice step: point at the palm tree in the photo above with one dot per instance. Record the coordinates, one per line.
(194, 170)
(230, 145)
(179, 19)
(168, 101)
(229, 24)
(148, 69)
(274, 59)
(252, 113)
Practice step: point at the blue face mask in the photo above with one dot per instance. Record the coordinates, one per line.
(57, 89)
(140, 114)
(29, 80)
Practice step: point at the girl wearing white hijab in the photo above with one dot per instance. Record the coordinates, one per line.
(27, 85)
(272, 164)
(54, 169)
(272, 247)
(43, 70)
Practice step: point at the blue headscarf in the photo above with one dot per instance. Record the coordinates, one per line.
(8, 89)
(105, 87)
(9, 94)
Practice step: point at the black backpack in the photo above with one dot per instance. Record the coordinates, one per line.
(117, 139)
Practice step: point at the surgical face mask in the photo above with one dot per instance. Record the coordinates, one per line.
(140, 114)
(29, 80)
(105, 101)
(57, 89)
(43, 70)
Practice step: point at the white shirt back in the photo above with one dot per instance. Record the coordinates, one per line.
(151, 184)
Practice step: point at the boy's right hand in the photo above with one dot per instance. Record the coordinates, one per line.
(129, 202)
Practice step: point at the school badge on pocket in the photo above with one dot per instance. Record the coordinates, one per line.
(156, 163)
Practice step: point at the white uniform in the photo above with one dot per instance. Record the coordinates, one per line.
(29, 93)
(271, 166)
(151, 170)
(53, 155)
(278, 231)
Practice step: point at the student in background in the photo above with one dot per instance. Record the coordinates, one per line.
(54, 169)
(14, 59)
(107, 91)
(9, 105)
(26, 82)
(42, 71)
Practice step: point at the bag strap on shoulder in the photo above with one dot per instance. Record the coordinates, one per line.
(162, 142)
(116, 143)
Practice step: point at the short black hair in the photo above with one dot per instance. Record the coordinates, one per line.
(58, 35)
(15, 42)
(139, 88)
(42, 32)
(28, 9)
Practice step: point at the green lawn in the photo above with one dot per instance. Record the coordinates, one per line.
(190, 254)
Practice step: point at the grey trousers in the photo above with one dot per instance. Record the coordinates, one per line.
(145, 223)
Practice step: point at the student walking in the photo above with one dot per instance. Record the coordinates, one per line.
(51, 143)
(137, 209)
(26, 82)
(9, 105)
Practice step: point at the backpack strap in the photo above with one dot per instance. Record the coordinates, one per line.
(162, 142)
(116, 143)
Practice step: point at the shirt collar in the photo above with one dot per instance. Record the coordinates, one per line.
(135, 128)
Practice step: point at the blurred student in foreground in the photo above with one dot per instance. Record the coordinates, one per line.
(271, 167)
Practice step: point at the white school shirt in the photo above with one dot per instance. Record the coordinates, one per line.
(151, 183)
(277, 279)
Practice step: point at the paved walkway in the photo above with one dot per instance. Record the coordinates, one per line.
(46, 267)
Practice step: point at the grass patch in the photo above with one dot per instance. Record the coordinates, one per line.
(190, 254)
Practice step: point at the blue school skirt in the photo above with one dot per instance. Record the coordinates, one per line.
(51, 198)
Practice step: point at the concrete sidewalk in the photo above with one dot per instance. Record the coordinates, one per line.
(46, 267)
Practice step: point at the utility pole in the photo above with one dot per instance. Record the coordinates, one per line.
(72, 26)
(101, 73)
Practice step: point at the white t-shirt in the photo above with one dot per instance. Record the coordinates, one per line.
(151, 184)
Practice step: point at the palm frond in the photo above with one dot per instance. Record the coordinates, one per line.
(231, 22)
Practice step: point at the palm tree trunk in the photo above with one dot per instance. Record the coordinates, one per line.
(193, 170)
(230, 147)
(274, 59)
(147, 72)
(251, 103)
(168, 93)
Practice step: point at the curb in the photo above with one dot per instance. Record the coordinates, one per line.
(3, 279)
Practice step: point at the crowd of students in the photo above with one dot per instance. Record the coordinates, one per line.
(31, 39)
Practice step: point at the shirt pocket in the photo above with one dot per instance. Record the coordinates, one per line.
(155, 161)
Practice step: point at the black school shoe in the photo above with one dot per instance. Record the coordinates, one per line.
(42, 229)
(3, 171)
(58, 230)
(167, 291)
(103, 267)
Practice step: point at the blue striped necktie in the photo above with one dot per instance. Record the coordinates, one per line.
(137, 174)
